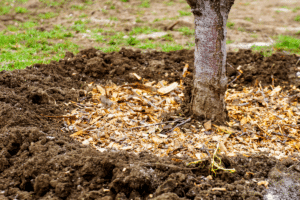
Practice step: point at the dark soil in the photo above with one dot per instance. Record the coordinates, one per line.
(39, 161)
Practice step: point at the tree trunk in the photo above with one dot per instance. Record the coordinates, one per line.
(210, 80)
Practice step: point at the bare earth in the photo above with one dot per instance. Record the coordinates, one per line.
(39, 159)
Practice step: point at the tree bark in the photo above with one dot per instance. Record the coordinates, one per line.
(210, 80)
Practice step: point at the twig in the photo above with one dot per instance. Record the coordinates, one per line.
(184, 122)
(292, 125)
(214, 164)
(243, 104)
(236, 76)
(173, 167)
(155, 124)
(230, 66)
(263, 94)
(279, 117)
(291, 137)
(142, 98)
(203, 148)
(172, 26)
(293, 97)
(272, 41)
(58, 116)
(297, 61)
(244, 133)
(106, 95)
(141, 87)
(262, 130)
(161, 102)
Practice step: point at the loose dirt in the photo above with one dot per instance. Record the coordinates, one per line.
(40, 161)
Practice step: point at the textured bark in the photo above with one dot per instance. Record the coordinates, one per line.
(210, 81)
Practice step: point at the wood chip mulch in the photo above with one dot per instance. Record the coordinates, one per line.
(129, 117)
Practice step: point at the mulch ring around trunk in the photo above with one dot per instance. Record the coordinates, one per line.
(43, 105)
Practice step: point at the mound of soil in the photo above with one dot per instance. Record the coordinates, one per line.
(40, 161)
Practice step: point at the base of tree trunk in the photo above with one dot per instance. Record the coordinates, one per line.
(208, 103)
(210, 81)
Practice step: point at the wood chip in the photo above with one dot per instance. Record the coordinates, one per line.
(264, 183)
(219, 189)
(132, 120)
(167, 89)
(100, 89)
(137, 76)
(207, 125)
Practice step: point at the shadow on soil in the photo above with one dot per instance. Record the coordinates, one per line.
(39, 161)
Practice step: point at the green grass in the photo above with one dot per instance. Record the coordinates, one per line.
(140, 12)
(98, 30)
(48, 15)
(138, 20)
(113, 18)
(142, 30)
(254, 35)
(184, 13)
(116, 39)
(288, 43)
(51, 3)
(145, 4)
(241, 29)
(31, 46)
(104, 11)
(12, 28)
(148, 44)
(264, 50)
(296, 9)
(132, 41)
(168, 37)
(108, 49)
(190, 44)
(230, 25)
(186, 31)
(283, 43)
(21, 45)
(78, 7)
(246, 4)
(159, 19)
(99, 38)
(83, 15)
(79, 26)
(88, 2)
(4, 10)
(21, 10)
(171, 47)
(248, 18)
(170, 3)
(286, 7)
(229, 41)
